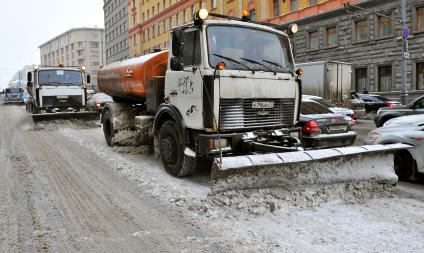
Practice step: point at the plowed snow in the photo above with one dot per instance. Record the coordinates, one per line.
(65, 190)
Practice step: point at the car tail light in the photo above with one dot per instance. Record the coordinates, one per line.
(98, 102)
(311, 127)
(390, 105)
(353, 118)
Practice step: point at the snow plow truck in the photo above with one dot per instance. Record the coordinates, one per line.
(227, 90)
(58, 92)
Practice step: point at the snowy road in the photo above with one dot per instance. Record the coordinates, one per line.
(64, 190)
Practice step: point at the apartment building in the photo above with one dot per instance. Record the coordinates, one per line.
(116, 30)
(150, 20)
(372, 43)
(76, 47)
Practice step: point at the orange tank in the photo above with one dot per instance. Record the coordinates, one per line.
(127, 80)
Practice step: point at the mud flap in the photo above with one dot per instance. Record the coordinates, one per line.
(86, 116)
(373, 163)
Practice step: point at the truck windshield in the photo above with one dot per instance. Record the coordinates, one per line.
(60, 77)
(13, 90)
(242, 48)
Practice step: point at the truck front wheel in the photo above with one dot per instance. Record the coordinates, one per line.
(172, 151)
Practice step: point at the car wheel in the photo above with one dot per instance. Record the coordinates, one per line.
(404, 164)
(171, 151)
(108, 129)
(368, 109)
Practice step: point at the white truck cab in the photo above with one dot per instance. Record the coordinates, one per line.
(55, 90)
(233, 77)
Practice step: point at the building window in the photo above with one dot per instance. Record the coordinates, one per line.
(420, 18)
(313, 40)
(385, 78)
(361, 30)
(213, 4)
(384, 27)
(313, 2)
(293, 5)
(252, 14)
(331, 36)
(94, 44)
(361, 79)
(420, 76)
(276, 7)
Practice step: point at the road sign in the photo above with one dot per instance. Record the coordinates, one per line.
(405, 32)
(406, 55)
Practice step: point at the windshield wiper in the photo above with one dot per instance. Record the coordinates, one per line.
(278, 65)
(233, 60)
(256, 62)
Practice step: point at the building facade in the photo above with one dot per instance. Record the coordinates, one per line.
(116, 30)
(76, 47)
(150, 20)
(371, 43)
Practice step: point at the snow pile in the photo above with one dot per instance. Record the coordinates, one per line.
(349, 217)
(55, 125)
(130, 138)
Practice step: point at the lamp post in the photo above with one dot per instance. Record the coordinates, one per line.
(405, 55)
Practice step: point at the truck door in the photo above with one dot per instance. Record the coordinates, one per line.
(186, 88)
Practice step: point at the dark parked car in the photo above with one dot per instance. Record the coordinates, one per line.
(371, 102)
(97, 101)
(323, 129)
(413, 108)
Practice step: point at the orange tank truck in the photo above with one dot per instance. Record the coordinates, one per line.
(127, 80)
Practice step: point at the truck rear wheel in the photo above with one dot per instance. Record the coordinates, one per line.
(171, 151)
(108, 129)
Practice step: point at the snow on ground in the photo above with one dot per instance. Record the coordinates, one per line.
(335, 218)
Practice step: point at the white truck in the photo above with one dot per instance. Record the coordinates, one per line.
(229, 90)
(330, 80)
(58, 92)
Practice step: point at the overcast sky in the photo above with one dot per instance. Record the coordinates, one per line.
(25, 24)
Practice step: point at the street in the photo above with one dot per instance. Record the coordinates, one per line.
(64, 190)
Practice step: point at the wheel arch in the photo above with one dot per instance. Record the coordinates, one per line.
(170, 112)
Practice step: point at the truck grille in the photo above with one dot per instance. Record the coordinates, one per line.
(70, 101)
(238, 114)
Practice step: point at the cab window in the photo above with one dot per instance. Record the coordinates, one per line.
(192, 48)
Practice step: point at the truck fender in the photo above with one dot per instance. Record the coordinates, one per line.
(169, 112)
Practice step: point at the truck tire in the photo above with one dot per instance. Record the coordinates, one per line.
(404, 165)
(108, 129)
(171, 151)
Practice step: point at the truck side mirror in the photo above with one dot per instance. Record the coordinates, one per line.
(88, 79)
(177, 42)
(176, 64)
(29, 77)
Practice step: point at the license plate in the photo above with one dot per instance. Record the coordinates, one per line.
(262, 105)
(62, 97)
(63, 101)
(337, 128)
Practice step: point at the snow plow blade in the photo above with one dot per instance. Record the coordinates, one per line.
(86, 116)
(372, 163)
